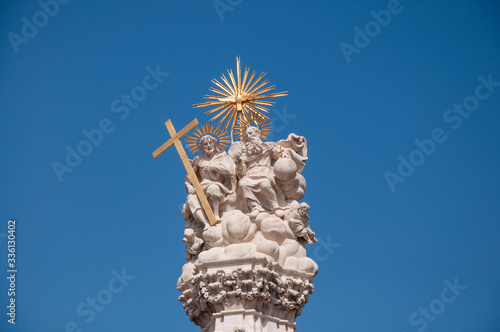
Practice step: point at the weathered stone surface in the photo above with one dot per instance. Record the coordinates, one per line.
(251, 290)
(251, 268)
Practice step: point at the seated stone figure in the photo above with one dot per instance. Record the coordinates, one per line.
(257, 186)
(216, 174)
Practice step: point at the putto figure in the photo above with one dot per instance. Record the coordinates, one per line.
(299, 223)
(193, 244)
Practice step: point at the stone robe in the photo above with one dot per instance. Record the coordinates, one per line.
(258, 187)
(218, 183)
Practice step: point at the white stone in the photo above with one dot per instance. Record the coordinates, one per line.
(250, 271)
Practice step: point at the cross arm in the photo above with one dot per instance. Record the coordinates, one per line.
(175, 136)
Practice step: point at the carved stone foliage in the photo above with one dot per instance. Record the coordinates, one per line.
(245, 284)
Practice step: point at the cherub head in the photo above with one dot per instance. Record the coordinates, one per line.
(303, 209)
(189, 235)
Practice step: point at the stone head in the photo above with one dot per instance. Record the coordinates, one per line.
(208, 145)
(188, 234)
(253, 133)
(303, 209)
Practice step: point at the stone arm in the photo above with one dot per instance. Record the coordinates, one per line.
(295, 147)
(224, 167)
(275, 153)
(241, 167)
(187, 182)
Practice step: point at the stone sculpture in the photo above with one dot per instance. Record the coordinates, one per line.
(262, 224)
(193, 244)
(215, 172)
(299, 223)
(246, 228)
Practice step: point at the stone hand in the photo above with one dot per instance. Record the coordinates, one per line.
(237, 158)
(209, 169)
(299, 139)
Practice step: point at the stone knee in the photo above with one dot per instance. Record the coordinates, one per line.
(213, 191)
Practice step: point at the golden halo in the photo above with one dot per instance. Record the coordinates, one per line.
(239, 99)
(192, 141)
(263, 124)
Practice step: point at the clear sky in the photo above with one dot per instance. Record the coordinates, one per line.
(399, 102)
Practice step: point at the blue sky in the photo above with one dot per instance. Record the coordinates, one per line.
(392, 241)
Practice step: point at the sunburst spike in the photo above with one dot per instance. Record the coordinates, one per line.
(215, 109)
(226, 109)
(244, 113)
(212, 89)
(238, 72)
(245, 76)
(238, 97)
(272, 95)
(250, 80)
(264, 90)
(257, 80)
(208, 103)
(261, 108)
(255, 90)
(210, 97)
(220, 85)
(257, 111)
(192, 142)
(231, 76)
(234, 117)
(228, 84)
(263, 103)
(230, 113)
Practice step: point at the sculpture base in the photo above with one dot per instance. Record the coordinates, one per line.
(247, 321)
(245, 295)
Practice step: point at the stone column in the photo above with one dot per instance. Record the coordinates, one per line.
(245, 295)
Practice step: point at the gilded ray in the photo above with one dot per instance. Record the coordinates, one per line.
(192, 141)
(262, 123)
(239, 100)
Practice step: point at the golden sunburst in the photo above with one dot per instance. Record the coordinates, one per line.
(239, 99)
(192, 142)
(263, 124)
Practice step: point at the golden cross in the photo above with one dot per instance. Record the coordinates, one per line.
(176, 140)
(281, 152)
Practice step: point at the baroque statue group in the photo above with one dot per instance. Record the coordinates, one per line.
(246, 226)
(254, 191)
